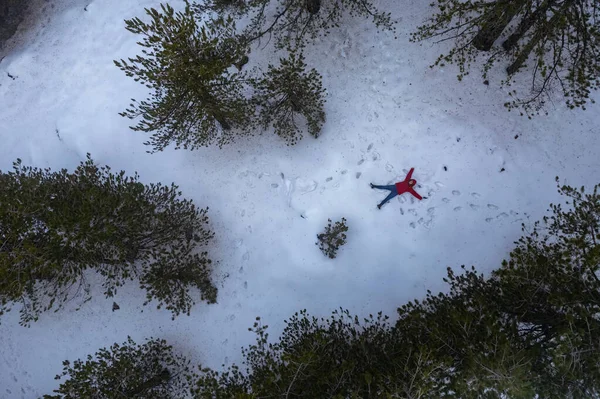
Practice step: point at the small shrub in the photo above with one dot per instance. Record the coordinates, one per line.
(333, 238)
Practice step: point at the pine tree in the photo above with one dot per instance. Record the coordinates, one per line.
(148, 371)
(54, 226)
(295, 22)
(336, 357)
(550, 285)
(197, 99)
(559, 40)
(477, 352)
(287, 91)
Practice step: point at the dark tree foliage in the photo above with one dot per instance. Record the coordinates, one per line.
(295, 22)
(54, 226)
(336, 357)
(556, 42)
(197, 99)
(148, 371)
(332, 238)
(551, 286)
(286, 92)
(469, 349)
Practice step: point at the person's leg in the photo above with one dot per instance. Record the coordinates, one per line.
(389, 197)
(391, 187)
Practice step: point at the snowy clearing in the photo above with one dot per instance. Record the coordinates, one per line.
(387, 111)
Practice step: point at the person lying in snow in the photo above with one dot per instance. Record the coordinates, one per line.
(402, 187)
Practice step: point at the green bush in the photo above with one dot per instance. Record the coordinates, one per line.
(332, 238)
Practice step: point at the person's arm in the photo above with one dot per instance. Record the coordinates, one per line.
(409, 175)
(416, 194)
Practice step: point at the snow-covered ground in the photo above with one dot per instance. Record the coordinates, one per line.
(387, 111)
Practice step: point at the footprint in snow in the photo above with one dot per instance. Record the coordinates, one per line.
(358, 174)
(304, 186)
(458, 208)
(446, 200)
(476, 195)
(500, 216)
(492, 207)
(474, 206)
(455, 192)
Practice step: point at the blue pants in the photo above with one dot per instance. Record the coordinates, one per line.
(393, 192)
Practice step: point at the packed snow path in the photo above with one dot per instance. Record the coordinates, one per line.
(387, 111)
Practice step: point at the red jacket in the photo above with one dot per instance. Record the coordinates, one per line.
(407, 185)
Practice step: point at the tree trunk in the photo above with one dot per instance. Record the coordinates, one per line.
(155, 381)
(526, 24)
(313, 6)
(222, 121)
(496, 23)
(12, 13)
(540, 33)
